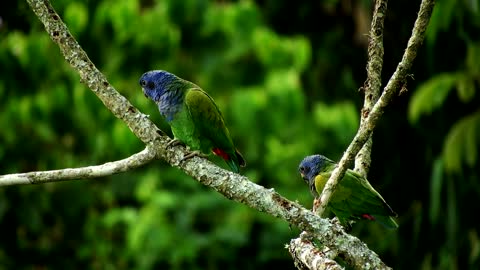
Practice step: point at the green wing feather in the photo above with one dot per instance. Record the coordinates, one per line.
(207, 120)
(210, 126)
(355, 197)
(365, 198)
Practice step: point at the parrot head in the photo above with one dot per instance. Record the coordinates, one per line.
(312, 166)
(156, 83)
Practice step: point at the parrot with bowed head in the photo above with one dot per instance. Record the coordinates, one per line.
(193, 116)
(354, 197)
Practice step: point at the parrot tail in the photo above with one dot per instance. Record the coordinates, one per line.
(233, 166)
(241, 161)
(234, 161)
(387, 222)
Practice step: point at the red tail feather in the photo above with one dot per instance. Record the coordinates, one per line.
(219, 152)
(367, 216)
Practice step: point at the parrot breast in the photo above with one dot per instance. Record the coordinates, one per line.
(170, 103)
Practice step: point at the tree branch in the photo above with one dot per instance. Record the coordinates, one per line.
(397, 81)
(109, 168)
(300, 249)
(373, 83)
(233, 186)
(307, 256)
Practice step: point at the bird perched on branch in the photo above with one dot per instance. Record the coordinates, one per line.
(193, 116)
(353, 199)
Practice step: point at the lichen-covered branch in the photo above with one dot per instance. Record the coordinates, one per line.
(394, 85)
(307, 256)
(89, 172)
(374, 80)
(233, 186)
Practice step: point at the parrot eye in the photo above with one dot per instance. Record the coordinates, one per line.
(150, 85)
(304, 170)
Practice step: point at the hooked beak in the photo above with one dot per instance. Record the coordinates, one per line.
(144, 92)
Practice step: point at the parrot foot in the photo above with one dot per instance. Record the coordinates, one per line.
(193, 154)
(335, 220)
(173, 143)
(346, 224)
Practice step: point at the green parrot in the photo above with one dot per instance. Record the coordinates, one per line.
(193, 116)
(354, 197)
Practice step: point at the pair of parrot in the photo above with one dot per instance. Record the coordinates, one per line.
(196, 121)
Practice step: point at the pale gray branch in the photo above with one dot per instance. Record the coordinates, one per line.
(374, 80)
(106, 169)
(394, 85)
(307, 256)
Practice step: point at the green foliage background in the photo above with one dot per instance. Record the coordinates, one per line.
(286, 77)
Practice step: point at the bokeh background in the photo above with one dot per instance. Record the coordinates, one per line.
(286, 76)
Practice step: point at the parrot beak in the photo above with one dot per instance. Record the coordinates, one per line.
(303, 176)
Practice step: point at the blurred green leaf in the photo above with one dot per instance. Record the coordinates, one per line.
(158, 32)
(341, 118)
(430, 95)
(76, 17)
(451, 224)
(473, 58)
(120, 215)
(233, 19)
(17, 44)
(436, 184)
(473, 6)
(280, 52)
(465, 88)
(474, 240)
(462, 143)
(442, 16)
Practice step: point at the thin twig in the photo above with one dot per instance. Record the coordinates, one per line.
(374, 80)
(109, 168)
(394, 85)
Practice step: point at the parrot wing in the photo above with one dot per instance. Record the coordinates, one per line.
(209, 123)
(355, 198)
(207, 118)
(365, 199)
(338, 202)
